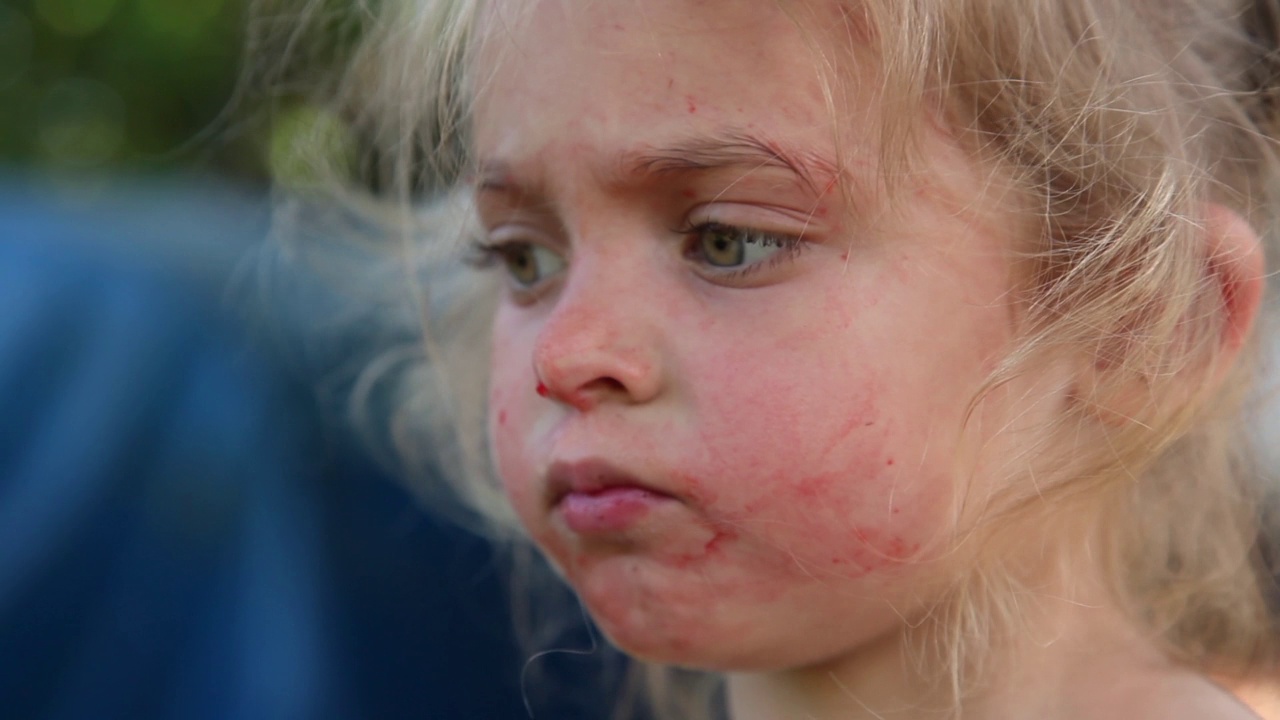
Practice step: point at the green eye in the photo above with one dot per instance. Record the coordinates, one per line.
(722, 246)
(728, 247)
(529, 264)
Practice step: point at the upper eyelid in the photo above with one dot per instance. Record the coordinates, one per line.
(522, 232)
(770, 219)
(691, 226)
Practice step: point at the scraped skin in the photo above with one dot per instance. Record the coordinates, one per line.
(782, 436)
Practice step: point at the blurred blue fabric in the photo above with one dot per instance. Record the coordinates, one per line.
(180, 535)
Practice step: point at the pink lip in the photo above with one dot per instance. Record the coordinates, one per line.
(595, 498)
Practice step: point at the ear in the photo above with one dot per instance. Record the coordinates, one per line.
(1238, 268)
(1235, 268)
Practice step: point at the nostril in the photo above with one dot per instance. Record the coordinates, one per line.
(607, 385)
(585, 396)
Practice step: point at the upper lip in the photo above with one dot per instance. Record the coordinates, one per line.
(589, 477)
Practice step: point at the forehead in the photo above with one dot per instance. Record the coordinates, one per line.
(559, 77)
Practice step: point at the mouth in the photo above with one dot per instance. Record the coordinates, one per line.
(595, 498)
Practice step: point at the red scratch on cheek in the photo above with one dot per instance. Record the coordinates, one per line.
(543, 391)
(721, 537)
(815, 488)
(712, 548)
(878, 551)
(692, 104)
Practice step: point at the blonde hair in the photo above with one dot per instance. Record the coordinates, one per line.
(1117, 122)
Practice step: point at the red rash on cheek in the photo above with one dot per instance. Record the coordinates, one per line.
(502, 418)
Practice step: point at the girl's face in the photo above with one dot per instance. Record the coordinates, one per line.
(727, 395)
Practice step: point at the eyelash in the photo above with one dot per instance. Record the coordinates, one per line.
(483, 255)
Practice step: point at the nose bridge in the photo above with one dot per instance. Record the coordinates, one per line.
(598, 340)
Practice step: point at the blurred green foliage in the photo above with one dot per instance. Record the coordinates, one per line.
(126, 85)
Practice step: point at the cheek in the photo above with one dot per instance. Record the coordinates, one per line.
(801, 453)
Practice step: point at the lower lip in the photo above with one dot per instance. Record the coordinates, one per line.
(608, 511)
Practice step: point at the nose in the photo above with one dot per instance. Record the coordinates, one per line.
(599, 345)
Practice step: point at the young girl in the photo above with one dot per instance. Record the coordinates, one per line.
(884, 359)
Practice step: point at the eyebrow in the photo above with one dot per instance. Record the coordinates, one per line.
(732, 150)
(720, 151)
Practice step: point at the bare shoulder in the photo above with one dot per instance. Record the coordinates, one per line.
(1194, 698)
(1263, 695)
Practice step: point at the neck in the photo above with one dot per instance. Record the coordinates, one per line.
(1074, 658)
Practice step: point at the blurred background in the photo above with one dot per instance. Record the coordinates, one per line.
(140, 86)
(144, 87)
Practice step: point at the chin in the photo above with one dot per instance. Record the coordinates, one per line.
(674, 628)
(701, 636)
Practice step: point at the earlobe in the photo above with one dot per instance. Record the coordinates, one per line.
(1238, 266)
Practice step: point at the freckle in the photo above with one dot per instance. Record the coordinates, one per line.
(844, 255)
(618, 26)
(890, 462)
(897, 511)
(869, 423)
(543, 391)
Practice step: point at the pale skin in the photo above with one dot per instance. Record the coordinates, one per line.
(727, 398)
